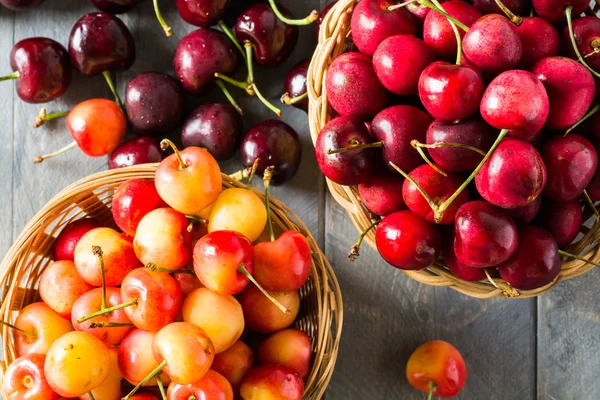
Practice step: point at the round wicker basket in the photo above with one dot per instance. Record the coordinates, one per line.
(321, 313)
(333, 37)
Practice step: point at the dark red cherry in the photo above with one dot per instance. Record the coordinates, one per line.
(42, 69)
(101, 42)
(19, 5)
(372, 23)
(459, 269)
(519, 7)
(554, 10)
(199, 55)
(407, 241)
(141, 150)
(586, 31)
(154, 103)
(485, 234)
(472, 132)
(539, 39)
(295, 83)
(571, 162)
(322, 15)
(202, 12)
(449, 91)
(562, 220)
(276, 144)
(272, 39)
(524, 215)
(593, 188)
(535, 263)
(382, 194)
(214, 126)
(351, 167)
(115, 6)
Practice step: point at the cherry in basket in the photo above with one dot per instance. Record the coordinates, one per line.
(132, 200)
(110, 388)
(212, 386)
(25, 379)
(272, 381)
(234, 363)
(136, 360)
(289, 347)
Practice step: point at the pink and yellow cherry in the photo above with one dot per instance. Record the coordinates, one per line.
(136, 360)
(24, 379)
(76, 363)
(98, 127)
(116, 253)
(132, 201)
(290, 347)
(110, 388)
(262, 315)
(188, 181)
(284, 264)
(163, 240)
(272, 382)
(63, 247)
(234, 363)
(37, 326)
(111, 327)
(61, 286)
(220, 316)
(213, 386)
(239, 210)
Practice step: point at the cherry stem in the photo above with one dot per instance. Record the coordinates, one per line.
(427, 160)
(44, 117)
(429, 4)
(97, 251)
(227, 94)
(156, 268)
(456, 34)
(565, 254)
(252, 173)
(312, 17)
(260, 96)
(433, 206)
(431, 389)
(515, 19)
(14, 75)
(354, 145)
(91, 395)
(146, 379)
(592, 111)
(160, 18)
(30, 335)
(355, 250)
(242, 270)
(507, 290)
(105, 324)
(167, 143)
(397, 6)
(112, 87)
(569, 15)
(231, 37)
(192, 397)
(161, 388)
(108, 310)
(194, 220)
(241, 174)
(231, 81)
(68, 147)
(416, 143)
(287, 100)
(267, 175)
(591, 203)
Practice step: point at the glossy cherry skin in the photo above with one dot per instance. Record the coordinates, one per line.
(322, 15)
(61, 286)
(44, 69)
(562, 220)
(272, 382)
(25, 379)
(19, 5)
(459, 269)
(399, 61)
(202, 12)
(262, 316)
(438, 362)
(101, 42)
(472, 132)
(135, 151)
(43, 327)
(485, 234)
(524, 215)
(295, 83)
(586, 31)
(397, 126)
(234, 363)
(212, 386)
(276, 144)
(382, 194)
(115, 6)
(352, 167)
(593, 188)
(571, 162)
(63, 247)
(407, 241)
(535, 263)
(199, 55)
(449, 91)
(554, 10)
(513, 176)
(132, 201)
(519, 7)
(216, 127)
(438, 33)
(272, 40)
(290, 347)
(539, 39)
(135, 358)
(438, 187)
(502, 108)
(372, 22)
(367, 96)
(493, 44)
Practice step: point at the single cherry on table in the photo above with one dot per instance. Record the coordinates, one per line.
(19, 5)
(140, 150)
(295, 86)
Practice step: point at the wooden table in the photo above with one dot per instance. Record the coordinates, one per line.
(544, 348)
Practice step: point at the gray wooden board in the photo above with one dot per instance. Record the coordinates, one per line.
(514, 349)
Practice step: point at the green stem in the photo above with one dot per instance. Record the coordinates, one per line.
(506, 289)
(97, 251)
(429, 4)
(428, 161)
(266, 102)
(354, 145)
(248, 48)
(431, 388)
(416, 143)
(252, 84)
(593, 111)
(456, 34)
(104, 324)
(569, 15)
(515, 19)
(108, 310)
(397, 6)
(240, 84)
(267, 175)
(227, 94)
(242, 270)
(68, 147)
(30, 335)
(161, 388)
(565, 254)
(231, 37)
(111, 86)
(160, 18)
(304, 21)
(156, 371)
(287, 100)
(591, 203)
(167, 143)
(44, 117)
(154, 267)
(355, 250)
(433, 206)
(91, 395)
(14, 75)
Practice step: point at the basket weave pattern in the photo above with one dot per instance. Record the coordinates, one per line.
(321, 311)
(333, 37)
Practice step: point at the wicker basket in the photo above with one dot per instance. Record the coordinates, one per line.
(333, 36)
(321, 311)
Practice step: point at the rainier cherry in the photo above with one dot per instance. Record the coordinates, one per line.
(239, 210)
(136, 360)
(262, 315)
(63, 247)
(61, 286)
(234, 363)
(132, 201)
(212, 386)
(272, 381)
(24, 379)
(290, 347)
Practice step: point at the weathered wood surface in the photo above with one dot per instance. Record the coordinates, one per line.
(515, 349)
